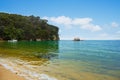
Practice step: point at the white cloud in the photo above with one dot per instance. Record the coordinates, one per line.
(84, 23)
(91, 27)
(81, 21)
(114, 24)
(60, 20)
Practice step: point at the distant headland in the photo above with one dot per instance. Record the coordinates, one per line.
(31, 28)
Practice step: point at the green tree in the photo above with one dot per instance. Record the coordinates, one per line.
(14, 26)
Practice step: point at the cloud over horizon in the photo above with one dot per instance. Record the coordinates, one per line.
(114, 24)
(83, 23)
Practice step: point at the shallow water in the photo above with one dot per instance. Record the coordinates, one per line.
(63, 60)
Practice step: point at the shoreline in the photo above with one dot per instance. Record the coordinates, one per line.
(6, 74)
(11, 69)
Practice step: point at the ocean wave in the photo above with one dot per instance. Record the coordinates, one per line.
(21, 68)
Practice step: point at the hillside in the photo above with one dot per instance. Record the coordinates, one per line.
(14, 26)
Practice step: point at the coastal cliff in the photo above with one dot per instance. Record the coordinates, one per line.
(31, 28)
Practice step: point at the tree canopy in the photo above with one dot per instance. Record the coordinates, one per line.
(14, 26)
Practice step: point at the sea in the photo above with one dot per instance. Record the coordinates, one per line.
(63, 60)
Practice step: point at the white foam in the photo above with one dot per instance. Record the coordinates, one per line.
(46, 77)
(24, 70)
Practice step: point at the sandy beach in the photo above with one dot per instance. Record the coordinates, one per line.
(8, 75)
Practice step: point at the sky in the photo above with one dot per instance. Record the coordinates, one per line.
(86, 19)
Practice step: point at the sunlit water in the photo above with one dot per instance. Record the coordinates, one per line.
(63, 60)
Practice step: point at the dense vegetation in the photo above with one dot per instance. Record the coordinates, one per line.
(14, 26)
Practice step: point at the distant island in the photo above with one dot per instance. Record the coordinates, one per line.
(31, 28)
(77, 39)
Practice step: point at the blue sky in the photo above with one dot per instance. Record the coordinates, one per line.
(87, 19)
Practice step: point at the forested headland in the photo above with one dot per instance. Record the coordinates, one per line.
(19, 27)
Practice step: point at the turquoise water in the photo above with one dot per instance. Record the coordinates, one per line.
(101, 55)
(69, 60)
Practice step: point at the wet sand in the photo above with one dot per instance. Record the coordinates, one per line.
(8, 75)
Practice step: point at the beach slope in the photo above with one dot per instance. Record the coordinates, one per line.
(8, 75)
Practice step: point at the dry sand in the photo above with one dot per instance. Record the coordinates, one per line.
(8, 75)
